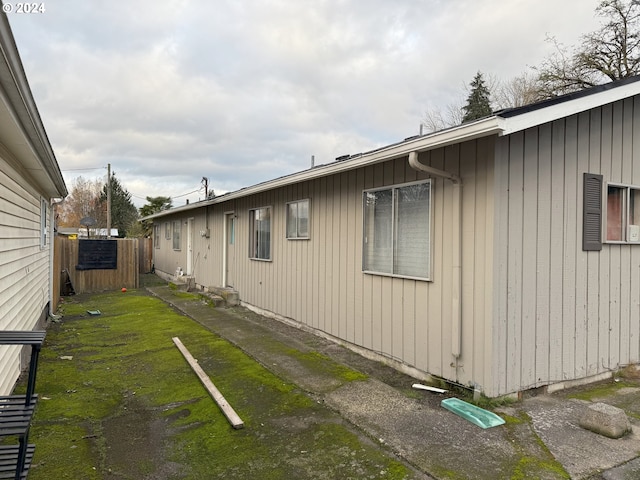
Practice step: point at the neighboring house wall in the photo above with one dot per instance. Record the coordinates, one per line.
(319, 282)
(562, 313)
(24, 261)
(540, 304)
(30, 179)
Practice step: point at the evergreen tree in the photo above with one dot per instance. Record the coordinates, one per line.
(478, 103)
(153, 205)
(123, 211)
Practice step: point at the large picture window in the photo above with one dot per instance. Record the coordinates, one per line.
(260, 233)
(623, 214)
(177, 231)
(298, 219)
(397, 230)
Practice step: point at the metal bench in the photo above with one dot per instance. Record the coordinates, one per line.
(16, 411)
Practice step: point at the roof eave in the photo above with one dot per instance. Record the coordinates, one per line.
(469, 131)
(32, 150)
(570, 107)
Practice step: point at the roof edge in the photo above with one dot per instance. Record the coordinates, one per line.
(21, 98)
(469, 131)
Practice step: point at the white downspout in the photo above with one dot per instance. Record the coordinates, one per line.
(456, 297)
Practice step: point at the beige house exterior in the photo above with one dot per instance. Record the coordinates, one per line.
(30, 180)
(458, 254)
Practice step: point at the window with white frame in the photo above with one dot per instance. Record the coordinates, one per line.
(156, 236)
(298, 219)
(43, 223)
(260, 233)
(397, 230)
(167, 231)
(623, 214)
(177, 230)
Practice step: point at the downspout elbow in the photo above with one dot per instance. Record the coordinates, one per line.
(416, 165)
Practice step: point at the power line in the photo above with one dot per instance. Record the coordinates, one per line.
(174, 196)
(82, 169)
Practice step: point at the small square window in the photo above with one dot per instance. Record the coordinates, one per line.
(177, 230)
(298, 219)
(623, 214)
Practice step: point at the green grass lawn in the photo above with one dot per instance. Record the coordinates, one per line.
(126, 405)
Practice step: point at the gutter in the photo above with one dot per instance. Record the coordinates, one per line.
(456, 297)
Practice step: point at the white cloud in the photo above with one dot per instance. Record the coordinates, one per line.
(241, 92)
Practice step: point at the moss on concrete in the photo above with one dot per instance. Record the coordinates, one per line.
(127, 405)
(595, 391)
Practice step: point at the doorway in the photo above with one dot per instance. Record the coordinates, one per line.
(230, 249)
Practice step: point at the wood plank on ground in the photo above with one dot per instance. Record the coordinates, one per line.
(227, 409)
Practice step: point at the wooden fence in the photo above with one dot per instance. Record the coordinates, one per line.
(134, 258)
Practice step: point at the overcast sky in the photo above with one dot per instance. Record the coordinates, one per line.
(242, 91)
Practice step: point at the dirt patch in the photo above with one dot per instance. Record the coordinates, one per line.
(141, 452)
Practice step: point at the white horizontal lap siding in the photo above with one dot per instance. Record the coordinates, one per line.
(24, 265)
(562, 313)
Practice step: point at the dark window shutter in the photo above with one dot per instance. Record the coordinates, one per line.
(592, 213)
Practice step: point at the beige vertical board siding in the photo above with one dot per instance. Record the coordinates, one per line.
(529, 259)
(165, 258)
(367, 280)
(282, 289)
(435, 289)
(543, 255)
(345, 278)
(318, 245)
(626, 299)
(356, 257)
(593, 258)
(451, 164)
(556, 294)
(323, 240)
(619, 255)
(570, 246)
(486, 341)
(517, 352)
(501, 239)
(607, 250)
(320, 281)
(329, 286)
(469, 161)
(24, 265)
(562, 313)
(581, 274)
(353, 269)
(633, 120)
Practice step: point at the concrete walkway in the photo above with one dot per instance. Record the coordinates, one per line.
(541, 438)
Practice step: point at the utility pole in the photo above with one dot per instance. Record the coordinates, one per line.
(205, 182)
(109, 200)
